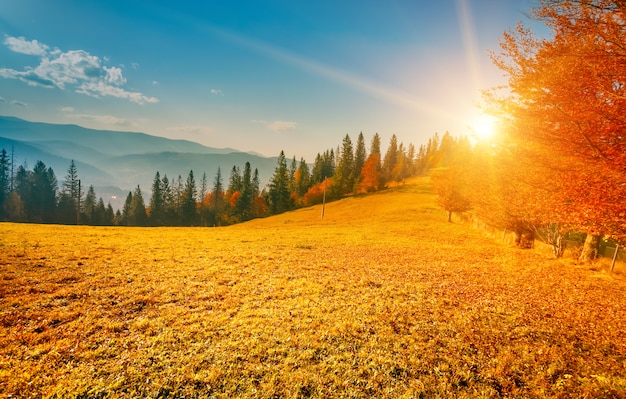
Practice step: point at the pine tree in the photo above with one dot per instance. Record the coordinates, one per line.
(278, 195)
(71, 196)
(157, 202)
(89, 206)
(244, 205)
(343, 179)
(138, 214)
(218, 199)
(188, 203)
(5, 184)
(99, 216)
(202, 193)
(126, 215)
(169, 204)
(303, 178)
(23, 189)
(234, 183)
(391, 158)
(360, 155)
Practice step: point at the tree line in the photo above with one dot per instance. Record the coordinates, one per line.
(558, 164)
(36, 196)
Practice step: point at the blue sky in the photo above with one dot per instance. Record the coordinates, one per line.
(258, 76)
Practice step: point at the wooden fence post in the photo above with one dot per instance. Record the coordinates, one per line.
(614, 257)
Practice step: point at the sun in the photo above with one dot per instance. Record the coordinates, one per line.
(484, 126)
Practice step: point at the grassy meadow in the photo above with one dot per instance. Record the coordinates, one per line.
(382, 298)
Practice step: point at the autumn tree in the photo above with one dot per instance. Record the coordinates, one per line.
(565, 107)
(451, 186)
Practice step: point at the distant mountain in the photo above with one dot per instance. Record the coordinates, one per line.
(116, 162)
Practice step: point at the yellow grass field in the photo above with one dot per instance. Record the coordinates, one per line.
(383, 298)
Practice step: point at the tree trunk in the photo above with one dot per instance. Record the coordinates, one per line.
(449, 216)
(590, 248)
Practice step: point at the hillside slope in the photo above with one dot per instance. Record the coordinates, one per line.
(381, 298)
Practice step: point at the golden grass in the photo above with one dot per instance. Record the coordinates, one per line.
(383, 298)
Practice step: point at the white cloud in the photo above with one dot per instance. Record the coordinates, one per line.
(101, 89)
(66, 109)
(155, 83)
(3, 100)
(23, 46)
(114, 76)
(16, 103)
(76, 68)
(217, 92)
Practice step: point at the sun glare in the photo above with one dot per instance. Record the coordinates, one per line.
(484, 126)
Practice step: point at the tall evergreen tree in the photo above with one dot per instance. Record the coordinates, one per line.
(157, 202)
(279, 195)
(5, 184)
(71, 196)
(343, 179)
(360, 155)
(169, 204)
(125, 219)
(202, 193)
(89, 206)
(218, 199)
(391, 158)
(293, 166)
(303, 178)
(256, 183)
(138, 214)
(234, 183)
(37, 192)
(188, 204)
(99, 216)
(244, 205)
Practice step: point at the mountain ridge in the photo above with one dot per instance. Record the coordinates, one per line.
(116, 162)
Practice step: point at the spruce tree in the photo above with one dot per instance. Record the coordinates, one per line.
(188, 203)
(303, 178)
(89, 206)
(125, 217)
(244, 205)
(360, 155)
(157, 205)
(391, 158)
(218, 199)
(343, 179)
(5, 184)
(138, 214)
(278, 195)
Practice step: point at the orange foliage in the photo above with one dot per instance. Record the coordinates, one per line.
(315, 194)
(567, 110)
(234, 198)
(370, 174)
